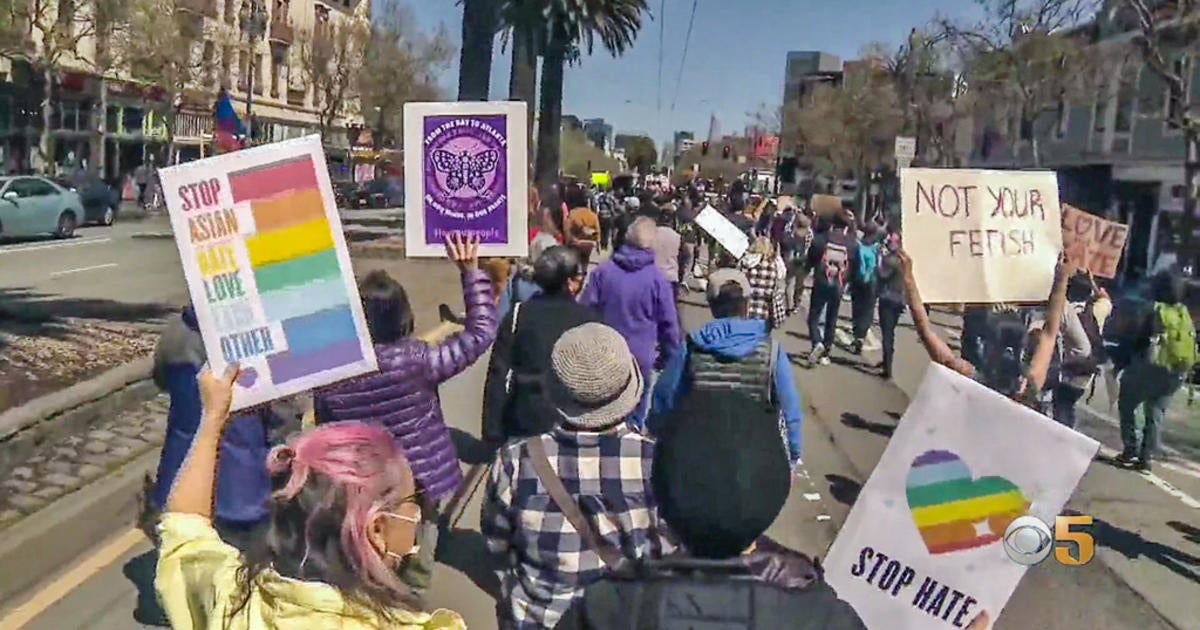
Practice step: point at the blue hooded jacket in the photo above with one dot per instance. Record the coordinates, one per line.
(734, 338)
(243, 486)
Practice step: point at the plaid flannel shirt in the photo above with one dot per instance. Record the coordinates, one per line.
(545, 564)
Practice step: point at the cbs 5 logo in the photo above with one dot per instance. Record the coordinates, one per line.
(1028, 540)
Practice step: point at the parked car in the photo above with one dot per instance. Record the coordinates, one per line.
(101, 202)
(32, 206)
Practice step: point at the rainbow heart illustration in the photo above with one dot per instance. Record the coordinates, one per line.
(955, 512)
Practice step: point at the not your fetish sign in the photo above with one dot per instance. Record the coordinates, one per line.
(922, 547)
(268, 270)
(980, 236)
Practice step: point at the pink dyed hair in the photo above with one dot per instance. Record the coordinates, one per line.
(364, 463)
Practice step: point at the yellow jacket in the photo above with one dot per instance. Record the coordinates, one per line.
(197, 582)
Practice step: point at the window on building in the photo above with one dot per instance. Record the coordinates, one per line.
(1182, 67)
(66, 11)
(1126, 95)
(1100, 111)
(112, 119)
(131, 119)
(227, 64)
(243, 65)
(209, 62)
(279, 57)
(1062, 113)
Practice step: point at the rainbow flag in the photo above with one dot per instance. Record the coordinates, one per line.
(952, 510)
(296, 268)
(228, 129)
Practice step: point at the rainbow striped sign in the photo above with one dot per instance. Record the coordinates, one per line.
(955, 512)
(268, 269)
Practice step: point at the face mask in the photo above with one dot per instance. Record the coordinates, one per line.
(412, 550)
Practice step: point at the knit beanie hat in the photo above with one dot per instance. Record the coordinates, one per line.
(721, 473)
(594, 381)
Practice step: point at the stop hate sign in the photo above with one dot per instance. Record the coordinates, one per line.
(978, 236)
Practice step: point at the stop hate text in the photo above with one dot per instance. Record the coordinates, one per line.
(900, 581)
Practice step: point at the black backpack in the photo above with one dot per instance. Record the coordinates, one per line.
(1004, 350)
(702, 598)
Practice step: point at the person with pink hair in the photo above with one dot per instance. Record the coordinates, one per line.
(343, 522)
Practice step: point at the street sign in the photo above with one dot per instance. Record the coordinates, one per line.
(906, 148)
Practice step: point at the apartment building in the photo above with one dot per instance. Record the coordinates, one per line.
(1115, 154)
(249, 46)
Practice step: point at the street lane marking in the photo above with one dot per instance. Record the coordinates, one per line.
(80, 573)
(82, 269)
(93, 240)
(1183, 467)
(1162, 484)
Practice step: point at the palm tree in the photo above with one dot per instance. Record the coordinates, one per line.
(524, 19)
(478, 39)
(571, 27)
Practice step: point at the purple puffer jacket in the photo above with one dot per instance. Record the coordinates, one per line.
(403, 395)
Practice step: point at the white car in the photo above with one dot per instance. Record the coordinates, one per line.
(36, 206)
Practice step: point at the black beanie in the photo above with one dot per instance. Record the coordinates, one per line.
(720, 472)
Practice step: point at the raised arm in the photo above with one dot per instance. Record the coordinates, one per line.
(939, 351)
(192, 492)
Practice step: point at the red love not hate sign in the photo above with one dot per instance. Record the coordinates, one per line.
(1094, 243)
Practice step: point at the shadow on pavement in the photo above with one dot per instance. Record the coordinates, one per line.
(855, 421)
(844, 489)
(1133, 545)
(1190, 533)
(140, 571)
(466, 550)
(31, 313)
(471, 450)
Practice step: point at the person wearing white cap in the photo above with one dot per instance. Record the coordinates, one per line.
(566, 507)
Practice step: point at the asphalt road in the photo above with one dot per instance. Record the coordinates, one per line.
(1145, 575)
(101, 267)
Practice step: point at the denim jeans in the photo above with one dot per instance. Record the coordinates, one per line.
(1066, 398)
(889, 317)
(1150, 387)
(862, 309)
(825, 301)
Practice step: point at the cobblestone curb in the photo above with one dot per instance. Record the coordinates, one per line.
(63, 465)
(72, 411)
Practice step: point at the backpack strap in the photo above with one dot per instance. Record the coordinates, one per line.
(608, 553)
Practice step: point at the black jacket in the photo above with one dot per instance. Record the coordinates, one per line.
(541, 320)
(780, 588)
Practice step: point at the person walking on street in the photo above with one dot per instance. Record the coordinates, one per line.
(670, 254)
(720, 511)
(342, 524)
(1082, 350)
(514, 398)
(606, 211)
(1155, 360)
(403, 395)
(766, 273)
(733, 353)
(891, 299)
(583, 232)
(864, 285)
(564, 508)
(632, 296)
(832, 257)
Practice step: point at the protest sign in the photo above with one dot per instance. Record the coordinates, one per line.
(981, 236)
(466, 170)
(268, 270)
(826, 205)
(922, 547)
(1094, 243)
(724, 231)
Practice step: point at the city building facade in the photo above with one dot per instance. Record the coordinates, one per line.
(112, 122)
(599, 133)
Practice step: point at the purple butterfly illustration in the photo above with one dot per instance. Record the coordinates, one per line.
(463, 169)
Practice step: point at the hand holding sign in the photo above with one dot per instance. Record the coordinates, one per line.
(464, 252)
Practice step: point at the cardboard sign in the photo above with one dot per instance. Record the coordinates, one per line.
(826, 205)
(922, 547)
(1094, 243)
(724, 231)
(465, 170)
(981, 236)
(268, 270)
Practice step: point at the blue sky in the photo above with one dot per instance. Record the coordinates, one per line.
(734, 63)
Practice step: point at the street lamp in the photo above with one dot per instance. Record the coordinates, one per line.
(254, 25)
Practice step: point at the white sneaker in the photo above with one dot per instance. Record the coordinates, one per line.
(817, 355)
(824, 359)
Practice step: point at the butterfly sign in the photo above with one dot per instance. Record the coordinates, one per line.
(465, 172)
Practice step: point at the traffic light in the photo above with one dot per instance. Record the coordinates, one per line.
(725, 153)
(704, 148)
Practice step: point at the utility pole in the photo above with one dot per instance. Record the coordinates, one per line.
(254, 24)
